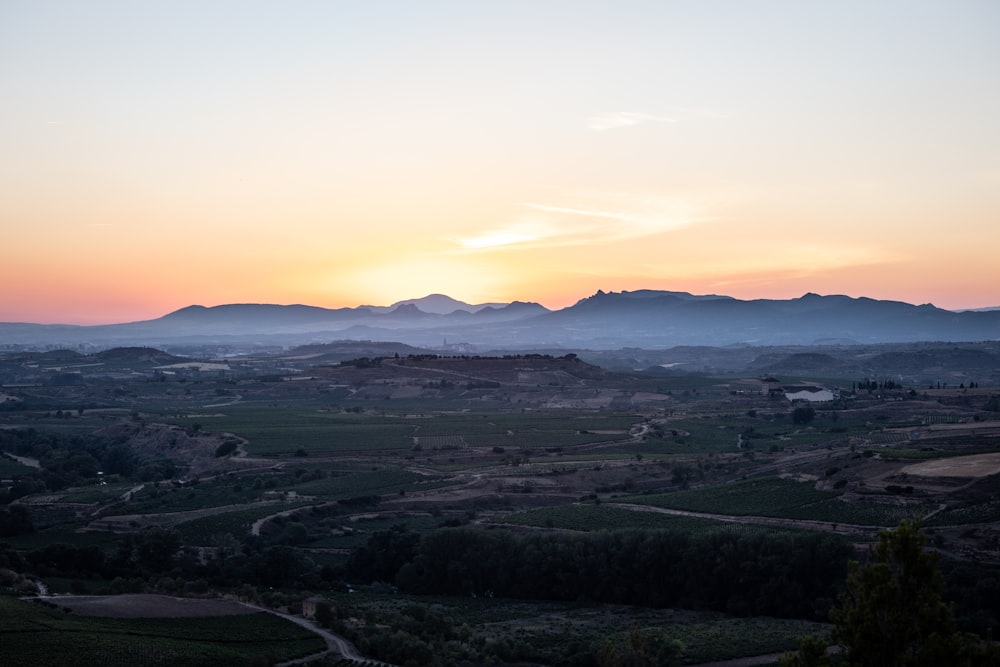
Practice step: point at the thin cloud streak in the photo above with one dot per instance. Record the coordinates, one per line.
(567, 226)
(618, 119)
(519, 233)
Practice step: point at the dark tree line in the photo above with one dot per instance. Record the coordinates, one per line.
(874, 385)
(73, 459)
(773, 574)
(15, 520)
(69, 459)
(152, 555)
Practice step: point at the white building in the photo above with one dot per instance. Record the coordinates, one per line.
(809, 393)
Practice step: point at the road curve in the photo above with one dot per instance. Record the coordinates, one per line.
(335, 644)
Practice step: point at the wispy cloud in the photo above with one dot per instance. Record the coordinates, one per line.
(617, 119)
(619, 218)
(524, 231)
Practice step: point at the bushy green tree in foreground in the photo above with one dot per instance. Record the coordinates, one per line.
(892, 614)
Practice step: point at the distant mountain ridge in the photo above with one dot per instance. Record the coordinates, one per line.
(438, 304)
(605, 320)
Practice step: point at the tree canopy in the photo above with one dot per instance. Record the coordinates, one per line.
(892, 612)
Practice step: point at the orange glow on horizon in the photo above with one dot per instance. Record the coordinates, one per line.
(331, 157)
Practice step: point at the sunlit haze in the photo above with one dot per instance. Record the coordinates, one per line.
(155, 155)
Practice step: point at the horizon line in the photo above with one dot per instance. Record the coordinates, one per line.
(483, 304)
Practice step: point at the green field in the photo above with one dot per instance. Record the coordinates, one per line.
(360, 531)
(986, 512)
(284, 431)
(61, 535)
(719, 435)
(862, 512)
(590, 517)
(33, 634)
(205, 530)
(375, 482)
(783, 499)
(242, 491)
(11, 468)
(155, 499)
(95, 494)
(762, 496)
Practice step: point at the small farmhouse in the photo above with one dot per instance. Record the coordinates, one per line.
(309, 606)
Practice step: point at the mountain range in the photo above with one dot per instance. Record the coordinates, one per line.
(606, 320)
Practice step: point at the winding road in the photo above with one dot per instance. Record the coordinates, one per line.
(335, 644)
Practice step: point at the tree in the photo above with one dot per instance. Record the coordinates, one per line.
(642, 648)
(156, 549)
(15, 520)
(803, 414)
(811, 653)
(892, 613)
(324, 614)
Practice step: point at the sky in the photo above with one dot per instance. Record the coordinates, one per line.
(155, 155)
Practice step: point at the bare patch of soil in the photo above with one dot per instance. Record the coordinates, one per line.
(976, 465)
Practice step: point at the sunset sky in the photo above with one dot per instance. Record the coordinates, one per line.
(155, 155)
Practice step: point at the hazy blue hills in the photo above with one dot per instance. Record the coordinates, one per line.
(606, 320)
(438, 304)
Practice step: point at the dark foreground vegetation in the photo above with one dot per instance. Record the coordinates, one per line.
(892, 613)
(505, 510)
(791, 575)
(36, 634)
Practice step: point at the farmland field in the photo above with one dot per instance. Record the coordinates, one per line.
(37, 635)
(10, 467)
(590, 517)
(275, 431)
(362, 483)
(979, 465)
(986, 512)
(361, 530)
(203, 530)
(786, 499)
(191, 497)
(386, 493)
(764, 496)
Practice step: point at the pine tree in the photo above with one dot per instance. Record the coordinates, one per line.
(892, 613)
